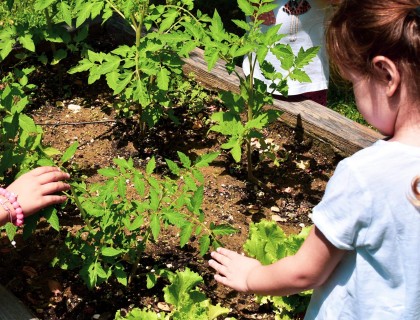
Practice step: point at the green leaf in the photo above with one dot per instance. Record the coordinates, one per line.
(162, 79)
(185, 235)
(236, 152)
(304, 57)
(300, 75)
(69, 153)
(211, 56)
(50, 215)
(222, 230)
(183, 283)
(59, 55)
(27, 42)
(155, 226)
(110, 252)
(83, 65)
(151, 165)
(173, 167)
(65, 12)
(205, 159)
(186, 162)
(27, 123)
(204, 244)
(50, 151)
(169, 20)
(42, 4)
(197, 199)
(120, 274)
(216, 311)
(246, 7)
(242, 24)
(108, 172)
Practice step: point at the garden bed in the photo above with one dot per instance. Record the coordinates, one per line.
(74, 111)
(295, 187)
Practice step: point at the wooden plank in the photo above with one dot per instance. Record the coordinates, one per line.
(323, 123)
(12, 308)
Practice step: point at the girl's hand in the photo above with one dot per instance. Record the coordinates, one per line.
(36, 189)
(232, 268)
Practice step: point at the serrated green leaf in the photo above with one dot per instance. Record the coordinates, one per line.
(205, 159)
(151, 165)
(169, 20)
(50, 215)
(300, 75)
(204, 244)
(155, 226)
(27, 42)
(108, 172)
(236, 152)
(163, 78)
(197, 199)
(222, 230)
(185, 235)
(69, 153)
(186, 162)
(27, 123)
(42, 4)
(246, 7)
(58, 55)
(110, 252)
(120, 274)
(304, 57)
(172, 166)
(65, 12)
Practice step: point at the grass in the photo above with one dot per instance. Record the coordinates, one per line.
(21, 13)
(341, 99)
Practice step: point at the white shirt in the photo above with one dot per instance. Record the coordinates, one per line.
(310, 34)
(365, 210)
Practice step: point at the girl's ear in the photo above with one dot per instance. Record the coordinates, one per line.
(387, 72)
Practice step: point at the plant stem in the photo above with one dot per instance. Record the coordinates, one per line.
(79, 205)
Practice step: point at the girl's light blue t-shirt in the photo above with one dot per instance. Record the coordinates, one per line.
(366, 210)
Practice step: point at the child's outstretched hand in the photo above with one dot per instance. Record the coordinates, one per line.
(36, 189)
(232, 268)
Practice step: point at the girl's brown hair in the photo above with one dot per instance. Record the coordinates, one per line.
(362, 29)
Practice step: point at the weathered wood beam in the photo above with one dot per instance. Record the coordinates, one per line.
(12, 308)
(323, 123)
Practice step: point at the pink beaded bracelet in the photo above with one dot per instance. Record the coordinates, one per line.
(17, 220)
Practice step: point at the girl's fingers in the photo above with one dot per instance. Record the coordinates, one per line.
(42, 170)
(54, 187)
(52, 176)
(53, 199)
(222, 259)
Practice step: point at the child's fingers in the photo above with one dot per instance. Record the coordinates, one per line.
(52, 199)
(54, 187)
(42, 170)
(52, 176)
(222, 259)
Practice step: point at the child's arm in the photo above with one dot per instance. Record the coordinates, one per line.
(36, 190)
(310, 267)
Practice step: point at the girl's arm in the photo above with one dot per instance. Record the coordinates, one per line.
(310, 267)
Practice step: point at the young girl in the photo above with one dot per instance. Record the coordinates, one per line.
(362, 256)
(30, 193)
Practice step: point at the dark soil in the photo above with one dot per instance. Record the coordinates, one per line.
(294, 188)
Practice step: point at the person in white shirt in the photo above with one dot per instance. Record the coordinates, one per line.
(303, 22)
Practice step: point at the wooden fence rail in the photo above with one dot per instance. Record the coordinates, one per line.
(323, 123)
